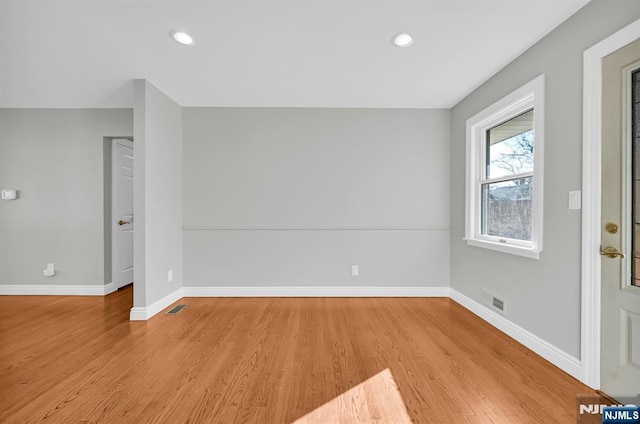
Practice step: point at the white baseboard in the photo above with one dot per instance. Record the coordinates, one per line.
(316, 291)
(551, 353)
(57, 290)
(144, 313)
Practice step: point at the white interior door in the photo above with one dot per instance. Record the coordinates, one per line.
(122, 203)
(620, 348)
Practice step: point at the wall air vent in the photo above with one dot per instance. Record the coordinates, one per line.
(494, 302)
(176, 309)
(498, 304)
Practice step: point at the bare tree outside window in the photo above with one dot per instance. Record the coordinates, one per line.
(515, 156)
(507, 200)
(504, 190)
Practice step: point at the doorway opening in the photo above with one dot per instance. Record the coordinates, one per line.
(118, 211)
(594, 226)
(620, 322)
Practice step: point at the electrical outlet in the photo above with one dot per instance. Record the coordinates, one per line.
(170, 275)
(355, 271)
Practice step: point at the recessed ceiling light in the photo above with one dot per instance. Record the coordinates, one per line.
(402, 39)
(182, 37)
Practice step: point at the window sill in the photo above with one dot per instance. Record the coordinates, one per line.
(504, 248)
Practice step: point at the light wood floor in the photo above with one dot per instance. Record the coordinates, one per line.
(270, 360)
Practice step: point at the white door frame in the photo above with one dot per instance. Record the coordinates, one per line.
(114, 205)
(591, 200)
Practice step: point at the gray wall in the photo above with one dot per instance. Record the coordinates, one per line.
(158, 194)
(543, 295)
(294, 197)
(55, 159)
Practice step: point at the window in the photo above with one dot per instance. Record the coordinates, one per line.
(505, 145)
(635, 177)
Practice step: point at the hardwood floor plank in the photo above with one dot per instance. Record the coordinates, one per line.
(270, 360)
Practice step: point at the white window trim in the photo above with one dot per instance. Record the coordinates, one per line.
(529, 96)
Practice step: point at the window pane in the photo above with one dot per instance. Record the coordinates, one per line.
(510, 147)
(506, 209)
(635, 267)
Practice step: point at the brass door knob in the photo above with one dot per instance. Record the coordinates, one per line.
(611, 228)
(121, 222)
(611, 252)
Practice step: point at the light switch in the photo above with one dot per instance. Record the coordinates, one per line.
(9, 194)
(575, 199)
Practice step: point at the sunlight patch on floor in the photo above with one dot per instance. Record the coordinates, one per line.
(374, 400)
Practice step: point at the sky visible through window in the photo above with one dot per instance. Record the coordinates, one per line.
(511, 156)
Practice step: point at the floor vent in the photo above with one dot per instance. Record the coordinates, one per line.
(176, 309)
(496, 303)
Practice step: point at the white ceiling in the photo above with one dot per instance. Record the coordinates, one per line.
(288, 53)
